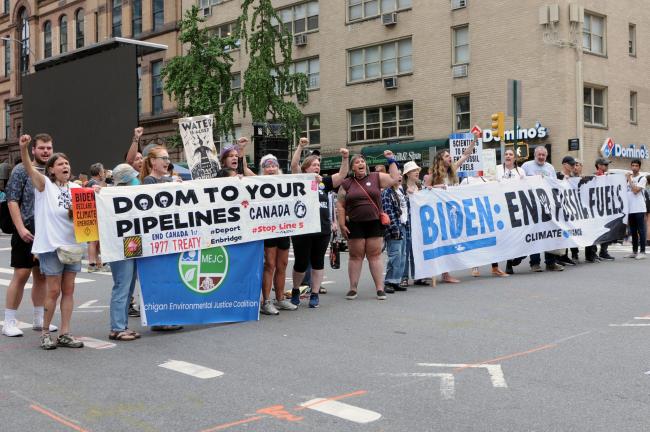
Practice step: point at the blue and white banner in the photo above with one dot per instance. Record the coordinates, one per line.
(468, 226)
(216, 285)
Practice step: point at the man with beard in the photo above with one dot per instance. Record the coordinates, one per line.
(20, 199)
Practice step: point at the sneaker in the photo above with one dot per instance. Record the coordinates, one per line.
(496, 271)
(285, 305)
(632, 255)
(400, 287)
(351, 295)
(554, 267)
(606, 257)
(640, 256)
(388, 289)
(322, 290)
(46, 342)
(313, 300)
(92, 268)
(295, 296)
(166, 327)
(105, 268)
(404, 283)
(268, 308)
(536, 268)
(10, 328)
(133, 312)
(381, 295)
(565, 260)
(38, 325)
(67, 341)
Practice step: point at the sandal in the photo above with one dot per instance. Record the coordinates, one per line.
(404, 283)
(134, 333)
(322, 290)
(121, 336)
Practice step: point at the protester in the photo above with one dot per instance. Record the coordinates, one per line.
(124, 274)
(539, 166)
(20, 201)
(97, 178)
(133, 156)
(309, 249)
(509, 171)
(54, 238)
(410, 184)
(443, 174)
(394, 204)
(602, 167)
(568, 171)
(234, 157)
(358, 207)
(276, 257)
(637, 210)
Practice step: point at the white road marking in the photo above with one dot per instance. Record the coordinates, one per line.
(327, 282)
(447, 383)
(6, 282)
(495, 371)
(20, 325)
(191, 369)
(89, 305)
(642, 318)
(629, 325)
(5, 249)
(96, 343)
(342, 410)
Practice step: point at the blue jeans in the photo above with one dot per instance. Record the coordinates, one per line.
(549, 259)
(409, 261)
(396, 254)
(124, 277)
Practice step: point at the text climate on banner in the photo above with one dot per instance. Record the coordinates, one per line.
(141, 221)
(200, 152)
(465, 227)
(473, 165)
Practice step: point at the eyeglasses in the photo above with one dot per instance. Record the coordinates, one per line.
(165, 158)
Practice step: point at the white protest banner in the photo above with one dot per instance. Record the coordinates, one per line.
(468, 226)
(200, 151)
(473, 166)
(490, 164)
(166, 218)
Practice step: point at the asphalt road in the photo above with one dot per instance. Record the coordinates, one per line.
(534, 352)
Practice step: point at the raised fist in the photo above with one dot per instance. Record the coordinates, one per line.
(304, 142)
(344, 152)
(137, 132)
(24, 140)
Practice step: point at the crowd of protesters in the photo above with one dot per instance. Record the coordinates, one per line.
(371, 210)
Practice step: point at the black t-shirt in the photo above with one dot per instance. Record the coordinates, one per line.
(324, 189)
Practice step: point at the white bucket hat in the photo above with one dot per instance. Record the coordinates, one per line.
(410, 166)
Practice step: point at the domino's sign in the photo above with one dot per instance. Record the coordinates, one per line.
(610, 149)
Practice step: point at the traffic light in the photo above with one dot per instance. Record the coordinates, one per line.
(498, 125)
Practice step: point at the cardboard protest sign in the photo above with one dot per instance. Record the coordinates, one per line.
(84, 215)
(200, 152)
(473, 166)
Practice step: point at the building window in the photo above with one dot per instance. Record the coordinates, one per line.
(235, 85)
(79, 29)
(158, 14)
(394, 121)
(136, 19)
(311, 68)
(227, 139)
(311, 129)
(116, 13)
(7, 48)
(594, 106)
(632, 39)
(361, 9)
(156, 87)
(461, 113)
(633, 107)
(7, 121)
(461, 45)
(47, 39)
(373, 62)
(63, 34)
(24, 42)
(300, 18)
(593, 34)
(6, 6)
(225, 30)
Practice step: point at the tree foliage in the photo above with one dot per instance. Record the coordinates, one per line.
(199, 81)
(269, 86)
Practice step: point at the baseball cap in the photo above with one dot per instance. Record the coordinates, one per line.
(123, 174)
(602, 161)
(568, 160)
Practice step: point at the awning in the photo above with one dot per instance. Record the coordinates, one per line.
(417, 151)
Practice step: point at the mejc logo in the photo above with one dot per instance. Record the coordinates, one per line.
(203, 271)
(607, 149)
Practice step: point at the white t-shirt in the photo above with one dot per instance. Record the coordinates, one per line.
(404, 217)
(637, 200)
(532, 168)
(53, 226)
(509, 174)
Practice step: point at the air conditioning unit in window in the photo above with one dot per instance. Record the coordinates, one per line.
(206, 11)
(390, 83)
(459, 71)
(389, 19)
(458, 4)
(300, 39)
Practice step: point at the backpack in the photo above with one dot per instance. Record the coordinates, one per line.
(6, 223)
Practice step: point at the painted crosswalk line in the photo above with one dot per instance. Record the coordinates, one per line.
(191, 369)
(96, 343)
(342, 410)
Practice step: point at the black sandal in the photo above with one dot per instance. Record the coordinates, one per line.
(121, 336)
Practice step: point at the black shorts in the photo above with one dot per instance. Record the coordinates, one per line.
(21, 253)
(310, 248)
(365, 229)
(282, 243)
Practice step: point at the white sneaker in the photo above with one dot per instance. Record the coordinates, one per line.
(640, 256)
(632, 255)
(10, 328)
(285, 305)
(268, 308)
(38, 325)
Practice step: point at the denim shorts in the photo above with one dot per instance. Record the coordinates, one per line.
(52, 266)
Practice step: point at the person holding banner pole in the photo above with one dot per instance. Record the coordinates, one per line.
(410, 184)
(442, 173)
(360, 219)
(54, 241)
(509, 171)
(311, 248)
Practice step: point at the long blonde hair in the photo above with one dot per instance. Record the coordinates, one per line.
(439, 172)
(154, 152)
